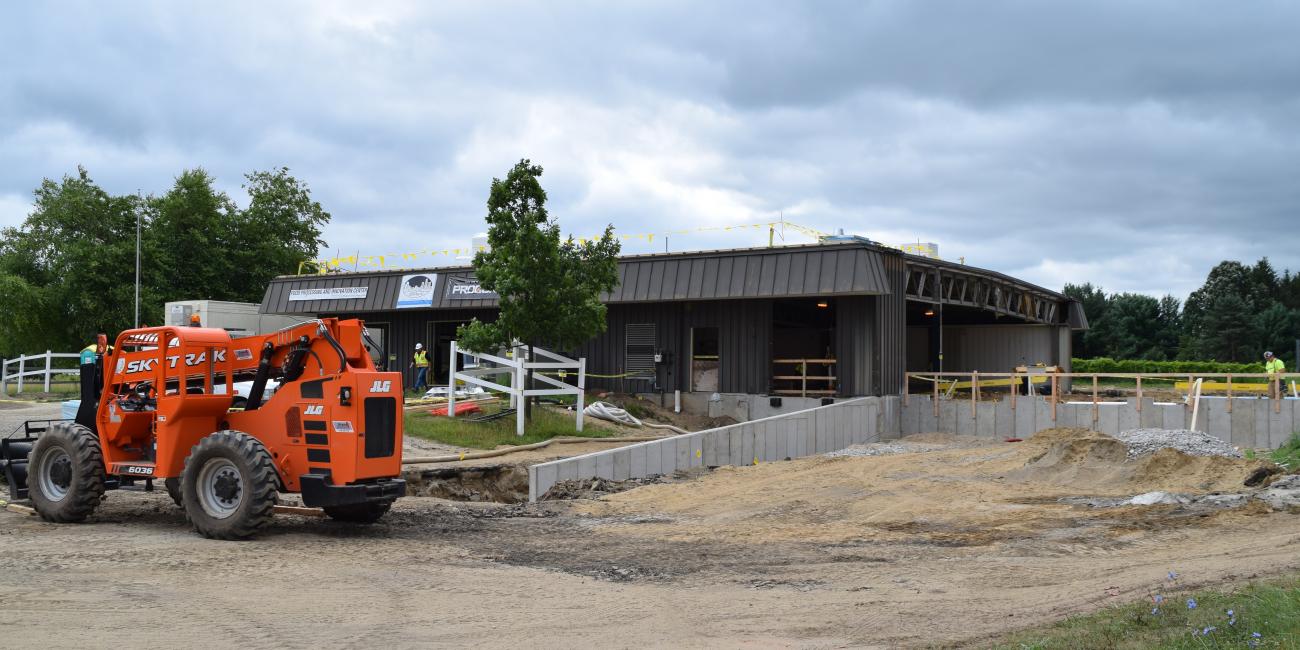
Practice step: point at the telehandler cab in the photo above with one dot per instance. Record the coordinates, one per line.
(157, 405)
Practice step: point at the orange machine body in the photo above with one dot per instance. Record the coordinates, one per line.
(337, 417)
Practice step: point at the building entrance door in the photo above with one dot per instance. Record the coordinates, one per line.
(705, 364)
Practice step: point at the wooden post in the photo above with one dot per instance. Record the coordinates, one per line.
(974, 393)
(803, 372)
(1277, 393)
(1229, 393)
(935, 399)
(48, 358)
(1196, 403)
(22, 368)
(1139, 409)
(1054, 396)
(907, 379)
(1095, 415)
(451, 383)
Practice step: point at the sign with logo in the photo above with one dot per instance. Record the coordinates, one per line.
(466, 289)
(416, 290)
(334, 293)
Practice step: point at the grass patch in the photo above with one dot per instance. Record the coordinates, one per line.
(544, 425)
(1269, 608)
(1288, 455)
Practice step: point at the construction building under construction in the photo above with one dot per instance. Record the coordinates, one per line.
(835, 319)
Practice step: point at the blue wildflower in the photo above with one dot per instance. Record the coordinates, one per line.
(1173, 576)
(1155, 611)
(1231, 613)
(1159, 599)
(1207, 630)
(1191, 603)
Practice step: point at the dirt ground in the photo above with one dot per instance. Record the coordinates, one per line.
(950, 547)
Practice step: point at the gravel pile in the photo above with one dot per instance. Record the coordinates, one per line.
(885, 449)
(1141, 442)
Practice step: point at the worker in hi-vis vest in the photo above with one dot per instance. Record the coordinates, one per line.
(98, 348)
(1274, 367)
(420, 361)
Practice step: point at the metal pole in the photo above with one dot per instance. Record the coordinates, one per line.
(137, 266)
(47, 371)
(974, 392)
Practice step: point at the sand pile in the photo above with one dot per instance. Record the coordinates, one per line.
(1088, 460)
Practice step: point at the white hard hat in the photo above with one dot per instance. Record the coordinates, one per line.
(1268, 354)
(419, 346)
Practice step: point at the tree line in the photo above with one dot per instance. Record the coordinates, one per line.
(68, 271)
(1239, 312)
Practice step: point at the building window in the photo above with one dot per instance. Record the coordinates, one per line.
(639, 351)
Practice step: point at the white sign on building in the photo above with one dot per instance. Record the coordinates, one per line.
(333, 293)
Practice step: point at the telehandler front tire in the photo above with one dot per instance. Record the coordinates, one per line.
(359, 513)
(228, 487)
(66, 481)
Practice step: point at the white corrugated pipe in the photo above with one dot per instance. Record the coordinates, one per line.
(612, 413)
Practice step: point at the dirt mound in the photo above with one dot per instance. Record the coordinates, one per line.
(1088, 460)
(1170, 469)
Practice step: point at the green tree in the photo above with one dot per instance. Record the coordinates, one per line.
(1096, 303)
(193, 229)
(1131, 328)
(1171, 327)
(549, 288)
(68, 271)
(1275, 329)
(279, 229)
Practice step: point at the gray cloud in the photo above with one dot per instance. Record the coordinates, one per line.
(1129, 144)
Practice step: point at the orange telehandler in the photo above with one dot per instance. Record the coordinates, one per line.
(158, 405)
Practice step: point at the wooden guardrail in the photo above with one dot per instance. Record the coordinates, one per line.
(827, 380)
(1276, 384)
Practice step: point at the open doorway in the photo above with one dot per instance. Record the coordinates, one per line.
(803, 347)
(440, 336)
(705, 363)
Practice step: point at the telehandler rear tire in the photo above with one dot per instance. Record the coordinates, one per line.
(66, 482)
(229, 486)
(359, 513)
(173, 486)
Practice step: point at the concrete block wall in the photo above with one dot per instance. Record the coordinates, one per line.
(780, 437)
(1248, 422)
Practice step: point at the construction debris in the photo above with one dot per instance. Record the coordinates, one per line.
(1142, 442)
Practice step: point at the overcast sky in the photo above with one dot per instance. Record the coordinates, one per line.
(1131, 144)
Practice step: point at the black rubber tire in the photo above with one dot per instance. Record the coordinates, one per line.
(173, 486)
(256, 485)
(85, 482)
(359, 513)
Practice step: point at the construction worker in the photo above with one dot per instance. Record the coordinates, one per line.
(420, 361)
(98, 348)
(1274, 367)
(195, 321)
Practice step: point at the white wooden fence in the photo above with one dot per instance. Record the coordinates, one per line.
(517, 367)
(26, 366)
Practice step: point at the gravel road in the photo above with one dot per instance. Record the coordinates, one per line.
(13, 414)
